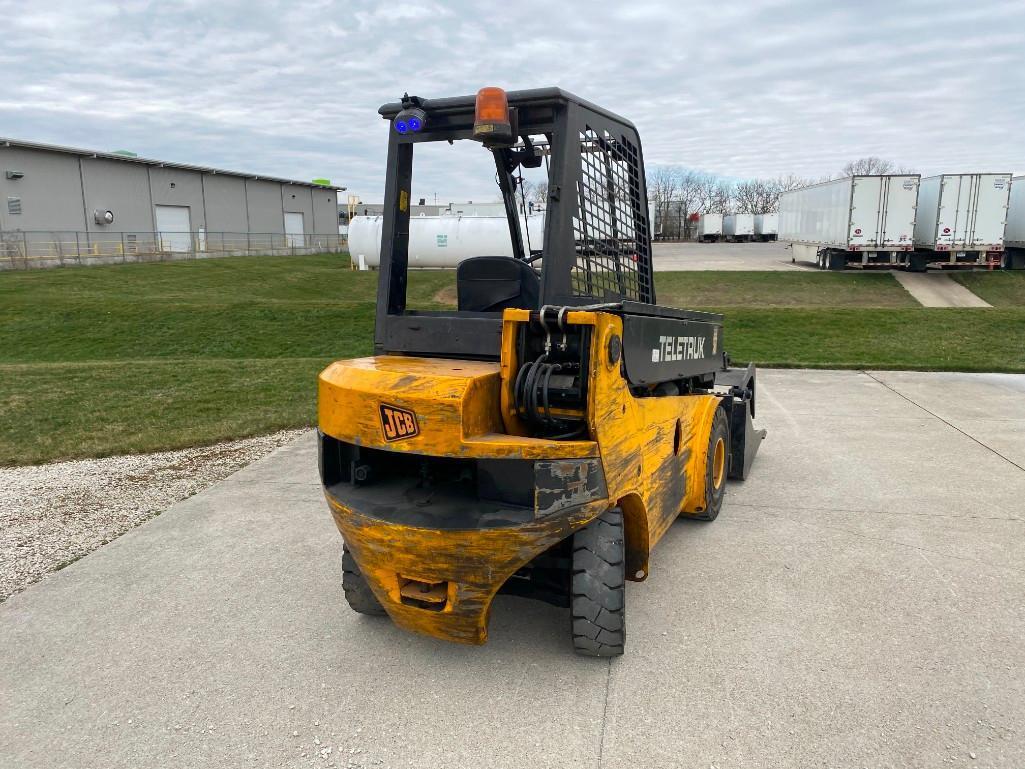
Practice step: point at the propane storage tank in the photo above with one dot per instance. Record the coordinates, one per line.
(442, 241)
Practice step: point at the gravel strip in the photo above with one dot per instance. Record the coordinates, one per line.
(52, 515)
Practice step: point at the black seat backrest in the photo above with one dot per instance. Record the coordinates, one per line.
(495, 283)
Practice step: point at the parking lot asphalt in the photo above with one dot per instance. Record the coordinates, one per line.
(727, 257)
(857, 603)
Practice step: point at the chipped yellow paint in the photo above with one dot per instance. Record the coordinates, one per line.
(653, 451)
(456, 403)
(650, 474)
(475, 563)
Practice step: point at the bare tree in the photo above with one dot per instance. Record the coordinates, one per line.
(723, 199)
(663, 186)
(673, 192)
(771, 189)
(676, 194)
(873, 165)
(535, 192)
(791, 182)
(755, 196)
(714, 196)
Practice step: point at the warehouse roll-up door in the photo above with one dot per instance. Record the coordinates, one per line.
(174, 228)
(294, 232)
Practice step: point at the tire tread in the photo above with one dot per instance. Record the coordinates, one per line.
(599, 587)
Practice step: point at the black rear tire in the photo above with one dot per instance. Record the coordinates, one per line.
(717, 467)
(358, 594)
(836, 260)
(918, 262)
(599, 587)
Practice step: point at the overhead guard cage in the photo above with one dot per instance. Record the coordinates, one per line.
(597, 244)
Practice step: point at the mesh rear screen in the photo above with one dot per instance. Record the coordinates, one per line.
(613, 258)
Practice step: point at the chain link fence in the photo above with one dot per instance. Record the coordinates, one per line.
(38, 249)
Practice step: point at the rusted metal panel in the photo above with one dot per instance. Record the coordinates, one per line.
(473, 563)
(564, 483)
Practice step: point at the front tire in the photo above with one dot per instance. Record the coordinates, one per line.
(599, 587)
(717, 467)
(358, 594)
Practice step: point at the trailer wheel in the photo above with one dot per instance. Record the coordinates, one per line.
(917, 262)
(358, 594)
(836, 260)
(1012, 259)
(599, 586)
(716, 468)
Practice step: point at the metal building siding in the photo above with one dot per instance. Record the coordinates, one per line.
(298, 200)
(119, 187)
(263, 200)
(325, 212)
(178, 187)
(225, 203)
(62, 187)
(50, 191)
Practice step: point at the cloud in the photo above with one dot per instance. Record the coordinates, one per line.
(742, 89)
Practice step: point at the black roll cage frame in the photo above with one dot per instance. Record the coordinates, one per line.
(562, 118)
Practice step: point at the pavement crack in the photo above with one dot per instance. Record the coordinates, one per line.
(944, 421)
(604, 715)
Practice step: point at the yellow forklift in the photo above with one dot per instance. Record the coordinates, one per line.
(542, 437)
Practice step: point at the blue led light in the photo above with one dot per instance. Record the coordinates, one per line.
(415, 124)
(401, 126)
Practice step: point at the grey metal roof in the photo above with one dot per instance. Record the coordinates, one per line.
(5, 142)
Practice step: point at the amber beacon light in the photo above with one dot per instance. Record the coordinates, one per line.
(491, 123)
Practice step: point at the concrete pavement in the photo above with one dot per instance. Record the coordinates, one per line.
(857, 603)
(936, 289)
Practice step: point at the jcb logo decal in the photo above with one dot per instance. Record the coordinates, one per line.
(398, 423)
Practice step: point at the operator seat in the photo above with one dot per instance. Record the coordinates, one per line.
(494, 283)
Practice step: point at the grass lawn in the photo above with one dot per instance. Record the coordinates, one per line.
(1000, 288)
(780, 289)
(143, 357)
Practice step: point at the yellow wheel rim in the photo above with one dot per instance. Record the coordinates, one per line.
(718, 463)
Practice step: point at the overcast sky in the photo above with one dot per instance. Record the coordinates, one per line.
(742, 89)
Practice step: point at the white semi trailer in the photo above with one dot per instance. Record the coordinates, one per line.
(859, 220)
(710, 228)
(961, 219)
(442, 241)
(1014, 234)
(766, 226)
(738, 227)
